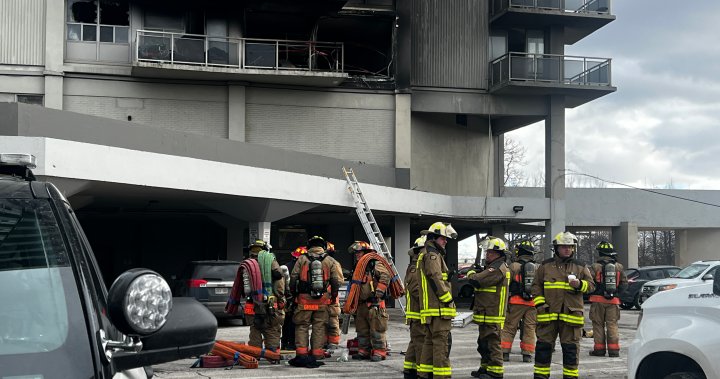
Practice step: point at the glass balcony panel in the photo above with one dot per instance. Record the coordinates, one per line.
(548, 4)
(294, 55)
(189, 50)
(154, 47)
(522, 3)
(548, 69)
(260, 55)
(522, 68)
(122, 34)
(573, 69)
(219, 51)
(106, 33)
(89, 33)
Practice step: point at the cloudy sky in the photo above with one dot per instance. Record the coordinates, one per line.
(662, 125)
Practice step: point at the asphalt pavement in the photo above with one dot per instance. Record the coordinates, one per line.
(464, 357)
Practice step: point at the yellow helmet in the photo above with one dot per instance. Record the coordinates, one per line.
(493, 243)
(420, 241)
(441, 229)
(565, 239)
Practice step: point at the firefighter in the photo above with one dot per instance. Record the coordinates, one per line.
(412, 312)
(288, 329)
(521, 308)
(315, 284)
(266, 319)
(610, 280)
(371, 318)
(437, 308)
(333, 325)
(558, 290)
(491, 293)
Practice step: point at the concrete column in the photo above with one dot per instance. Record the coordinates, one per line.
(499, 173)
(235, 238)
(555, 166)
(403, 116)
(681, 246)
(625, 240)
(236, 112)
(54, 53)
(401, 242)
(259, 230)
(694, 245)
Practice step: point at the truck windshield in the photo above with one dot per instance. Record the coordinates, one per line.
(692, 271)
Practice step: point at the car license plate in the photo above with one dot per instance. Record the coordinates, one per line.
(221, 291)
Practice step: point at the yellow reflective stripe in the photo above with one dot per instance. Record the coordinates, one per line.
(446, 297)
(545, 317)
(424, 368)
(584, 286)
(539, 300)
(445, 276)
(423, 282)
(486, 289)
(409, 365)
(557, 285)
(442, 371)
(488, 319)
(571, 372)
(572, 319)
(496, 369)
(503, 295)
(542, 370)
(448, 312)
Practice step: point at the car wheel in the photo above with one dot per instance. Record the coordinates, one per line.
(627, 306)
(685, 375)
(636, 302)
(466, 292)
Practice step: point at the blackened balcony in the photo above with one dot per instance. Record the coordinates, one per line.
(579, 17)
(182, 55)
(580, 79)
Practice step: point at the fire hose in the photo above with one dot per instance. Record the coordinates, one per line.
(395, 288)
(252, 268)
(245, 360)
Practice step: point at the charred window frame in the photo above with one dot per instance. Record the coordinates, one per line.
(105, 21)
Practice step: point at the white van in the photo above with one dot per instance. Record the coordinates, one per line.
(677, 335)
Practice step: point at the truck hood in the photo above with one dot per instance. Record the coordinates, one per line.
(699, 294)
(679, 282)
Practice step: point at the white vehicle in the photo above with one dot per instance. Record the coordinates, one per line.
(677, 334)
(692, 275)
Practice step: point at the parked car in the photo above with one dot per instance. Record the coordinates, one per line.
(637, 277)
(465, 289)
(58, 318)
(209, 282)
(675, 338)
(696, 273)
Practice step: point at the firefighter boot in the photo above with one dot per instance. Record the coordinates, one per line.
(613, 353)
(410, 374)
(479, 373)
(506, 357)
(527, 358)
(597, 353)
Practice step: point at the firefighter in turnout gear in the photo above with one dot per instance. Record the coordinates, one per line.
(371, 319)
(491, 294)
(266, 318)
(333, 325)
(558, 290)
(412, 312)
(315, 283)
(521, 307)
(610, 280)
(437, 308)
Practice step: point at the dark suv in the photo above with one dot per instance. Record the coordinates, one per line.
(209, 282)
(57, 320)
(639, 276)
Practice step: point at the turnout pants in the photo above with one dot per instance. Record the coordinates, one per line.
(489, 348)
(435, 357)
(333, 324)
(303, 320)
(288, 331)
(414, 349)
(515, 314)
(371, 325)
(547, 333)
(268, 331)
(605, 316)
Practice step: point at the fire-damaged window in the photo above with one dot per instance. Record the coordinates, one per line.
(105, 21)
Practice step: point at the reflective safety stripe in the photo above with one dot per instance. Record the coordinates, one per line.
(584, 286)
(482, 319)
(495, 369)
(571, 372)
(435, 312)
(446, 297)
(409, 365)
(503, 296)
(570, 319)
(486, 289)
(542, 370)
(409, 315)
(547, 317)
(558, 285)
(443, 371)
(445, 276)
(424, 368)
(539, 300)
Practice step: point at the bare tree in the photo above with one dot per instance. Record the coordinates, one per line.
(514, 160)
(656, 247)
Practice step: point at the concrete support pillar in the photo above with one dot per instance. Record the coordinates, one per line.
(401, 242)
(692, 245)
(54, 53)
(236, 112)
(625, 240)
(235, 238)
(499, 173)
(403, 116)
(259, 230)
(681, 246)
(555, 166)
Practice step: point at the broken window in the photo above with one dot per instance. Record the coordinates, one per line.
(83, 23)
(367, 42)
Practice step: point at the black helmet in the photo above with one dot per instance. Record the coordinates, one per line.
(606, 248)
(317, 241)
(525, 247)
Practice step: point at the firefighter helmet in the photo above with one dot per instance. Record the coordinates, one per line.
(420, 242)
(493, 243)
(525, 247)
(299, 251)
(359, 246)
(606, 248)
(317, 241)
(440, 229)
(565, 239)
(261, 244)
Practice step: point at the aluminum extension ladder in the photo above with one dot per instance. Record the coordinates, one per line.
(369, 224)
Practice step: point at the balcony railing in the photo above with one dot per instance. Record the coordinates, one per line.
(550, 68)
(569, 6)
(243, 53)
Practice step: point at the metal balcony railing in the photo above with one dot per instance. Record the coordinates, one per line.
(550, 68)
(251, 53)
(569, 6)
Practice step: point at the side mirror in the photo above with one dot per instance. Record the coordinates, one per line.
(707, 277)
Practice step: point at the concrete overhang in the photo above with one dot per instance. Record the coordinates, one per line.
(575, 94)
(198, 72)
(435, 100)
(578, 25)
